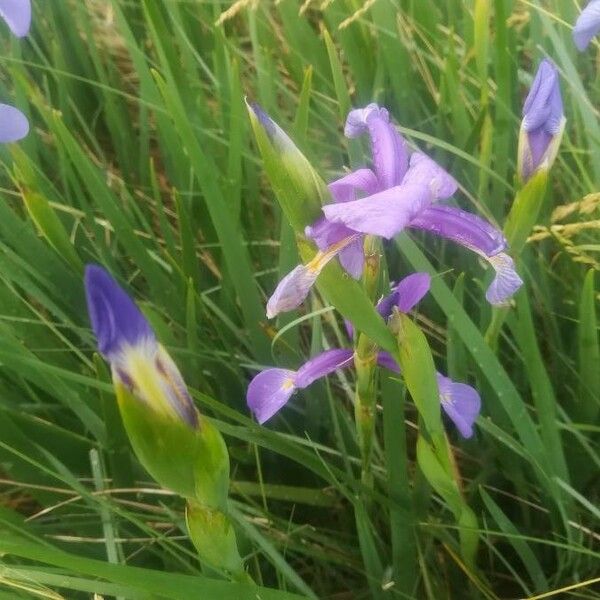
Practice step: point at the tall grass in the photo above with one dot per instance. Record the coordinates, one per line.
(141, 158)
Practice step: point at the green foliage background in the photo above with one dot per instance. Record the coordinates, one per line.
(141, 158)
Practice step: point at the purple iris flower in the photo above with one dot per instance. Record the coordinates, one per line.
(17, 14)
(398, 192)
(587, 25)
(128, 343)
(543, 122)
(271, 389)
(13, 124)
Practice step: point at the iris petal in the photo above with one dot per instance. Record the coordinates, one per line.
(425, 171)
(116, 320)
(388, 148)
(411, 290)
(269, 391)
(294, 287)
(587, 25)
(460, 402)
(17, 14)
(461, 227)
(13, 124)
(361, 181)
(507, 280)
(323, 364)
(384, 214)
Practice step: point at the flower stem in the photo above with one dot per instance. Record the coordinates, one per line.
(365, 362)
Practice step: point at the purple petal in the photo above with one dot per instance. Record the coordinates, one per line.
(347, 188)
(116, 320)
(387, 361)
(543, 105)
(13, 124)
(426, 172)
(543, 121)
(356, 122)
(587, 25)
(385, 214)
(390, 156)
(269, 391)
(325, 234)
(460, 402)
(291, 291)
(17, 14)
(325, 363)
(352, 258)
(506, 282)
(462, 227)
(411, 290)
(294, 287)
(406, 295)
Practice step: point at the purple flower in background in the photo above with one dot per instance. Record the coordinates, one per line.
(271, 389)
(587, 25)
(398, 192)
(13, 124)
(17, 14)
(543, 122)
(128, 343)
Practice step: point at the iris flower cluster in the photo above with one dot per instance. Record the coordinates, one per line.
(17, 15)
(403, 191)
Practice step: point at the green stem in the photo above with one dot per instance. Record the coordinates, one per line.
(365, 362)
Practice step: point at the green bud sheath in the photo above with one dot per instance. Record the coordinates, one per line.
(192, 462)
(213, 535)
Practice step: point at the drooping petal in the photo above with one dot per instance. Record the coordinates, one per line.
(507, 280)
(325, 363)
(17, 14)
(361, 182)
(326, 234)
(461, 227)
(294, 287)
(269, 391)
(587, 25)
(388, 148)
(13, 124)
(116, 320)
(384, 214)
(543, 122)
(460, 402)
(425, 171)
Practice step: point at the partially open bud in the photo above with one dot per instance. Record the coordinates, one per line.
(543, 122)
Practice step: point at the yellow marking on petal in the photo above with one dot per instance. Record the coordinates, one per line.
(288, 384)
(323, 257)
(139, 366)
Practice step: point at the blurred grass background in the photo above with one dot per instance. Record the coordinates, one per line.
(140, 158)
